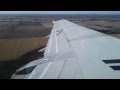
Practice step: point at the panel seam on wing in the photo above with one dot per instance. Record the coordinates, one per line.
(74, 53)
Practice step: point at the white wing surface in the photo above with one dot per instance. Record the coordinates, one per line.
(85, 53)
(76, 52)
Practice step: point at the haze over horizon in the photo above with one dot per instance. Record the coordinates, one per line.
(59, 12)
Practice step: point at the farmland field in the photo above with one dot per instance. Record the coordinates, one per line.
(11, 49)
(19, 42)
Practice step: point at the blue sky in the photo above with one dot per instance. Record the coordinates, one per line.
(59, 12)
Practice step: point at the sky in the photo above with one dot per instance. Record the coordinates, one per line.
(59, 12)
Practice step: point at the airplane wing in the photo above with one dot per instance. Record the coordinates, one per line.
(76, 52)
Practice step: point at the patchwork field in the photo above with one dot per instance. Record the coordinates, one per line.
(19, 42)
(22, 38)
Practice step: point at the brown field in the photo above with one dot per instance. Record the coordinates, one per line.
(11, 49)
(99, 24)
(22, 38)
